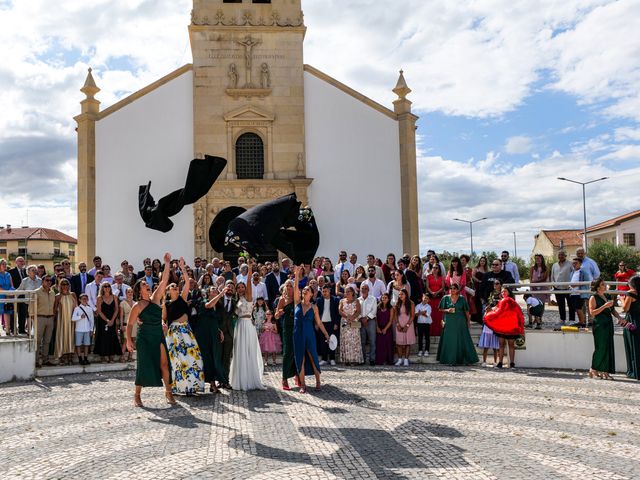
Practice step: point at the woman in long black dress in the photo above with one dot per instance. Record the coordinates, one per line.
(209, 337)
(285, 310)
(151, 351)
(631, 326)
(107, 343)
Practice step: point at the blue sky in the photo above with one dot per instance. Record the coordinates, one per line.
(510, 95)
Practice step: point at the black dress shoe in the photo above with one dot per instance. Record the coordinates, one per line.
(372, 363)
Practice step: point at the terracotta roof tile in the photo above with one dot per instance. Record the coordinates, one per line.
(26, 233)
(612, 222)
(569, 238)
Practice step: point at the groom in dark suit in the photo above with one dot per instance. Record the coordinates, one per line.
(273, 281)
(330, 317)
(226, 307)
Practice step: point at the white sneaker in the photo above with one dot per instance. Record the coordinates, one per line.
(425, 354)
(406, 362)
(398, 362)
(484, 364)
(420, 353)
(333, 363)
(322, 362)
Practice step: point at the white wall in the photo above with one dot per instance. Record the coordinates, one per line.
(17, 359)
(352, 153)
(149, 139)
(568, 350)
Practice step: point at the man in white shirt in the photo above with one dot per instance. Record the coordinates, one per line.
(509, 266)
(423, 323)
(353, 261)
(258, 289)
(371, 263)
(368, 314)
(376, 286)
(342, 265)
(82, 316)
(92, 290)
(561, 271)
(119, 288)
(588, 264)
(242, 276)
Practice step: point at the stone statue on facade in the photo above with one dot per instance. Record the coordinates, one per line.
(233, 76)
(265, 76)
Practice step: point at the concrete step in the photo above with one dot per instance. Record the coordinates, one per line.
(93, 368)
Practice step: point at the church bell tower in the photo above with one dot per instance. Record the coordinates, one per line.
(248, 102)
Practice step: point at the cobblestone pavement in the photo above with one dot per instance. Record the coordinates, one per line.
(416, 422)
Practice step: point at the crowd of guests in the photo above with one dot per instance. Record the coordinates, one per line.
(377, 311)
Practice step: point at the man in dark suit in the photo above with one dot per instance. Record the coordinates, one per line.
(412, 279)
(148, 277)
(146, 262)
(17, 274)
(273, 282)
(80, 280)
(226, 307)
(328, 311)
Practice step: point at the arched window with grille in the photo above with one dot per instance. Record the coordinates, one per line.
(249, 156)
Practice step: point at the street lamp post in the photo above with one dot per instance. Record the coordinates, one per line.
(584, 204)
(470, 222)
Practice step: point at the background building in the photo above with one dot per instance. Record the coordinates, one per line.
(550, 242)
(283, 127)
(44, 246)
(622, 230)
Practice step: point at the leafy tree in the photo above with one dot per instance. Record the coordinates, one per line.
(607, 255)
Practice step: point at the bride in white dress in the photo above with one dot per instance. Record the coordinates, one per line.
(246, 365)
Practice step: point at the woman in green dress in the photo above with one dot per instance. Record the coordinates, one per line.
(285, 309)
(209, 338)
(456, 346)
(601, 310)
(152, 365)
(631, 325)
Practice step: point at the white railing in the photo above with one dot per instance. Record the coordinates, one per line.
(564, 287)
(12, 297)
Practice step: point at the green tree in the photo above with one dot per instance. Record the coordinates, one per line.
(523, 267)
(607, 256)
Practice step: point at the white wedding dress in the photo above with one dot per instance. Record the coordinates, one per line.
(246, 364)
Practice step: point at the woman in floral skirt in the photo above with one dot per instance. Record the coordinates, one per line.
(350, 345)
(187, 374)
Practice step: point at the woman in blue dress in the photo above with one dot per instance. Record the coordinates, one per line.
(304, 335)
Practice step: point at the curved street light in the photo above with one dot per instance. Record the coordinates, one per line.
(470, 222)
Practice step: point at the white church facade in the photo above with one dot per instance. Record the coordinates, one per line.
(283, 127)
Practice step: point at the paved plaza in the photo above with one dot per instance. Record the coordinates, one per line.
(424, 421)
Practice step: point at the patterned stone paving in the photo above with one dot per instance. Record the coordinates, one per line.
(419, 422)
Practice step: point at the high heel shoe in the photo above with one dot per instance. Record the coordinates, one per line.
(137, 401)
(592, 373)
(285, 385)
(303, 388)
(168, 394)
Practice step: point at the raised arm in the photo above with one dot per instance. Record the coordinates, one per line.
(248, 295)
(213, 301)
(296, 285)
(162, 286)
(185, 288)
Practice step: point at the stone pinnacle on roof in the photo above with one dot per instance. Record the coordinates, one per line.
(401, 89)
(90, 88)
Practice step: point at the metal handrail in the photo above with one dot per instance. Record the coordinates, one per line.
(32, 315)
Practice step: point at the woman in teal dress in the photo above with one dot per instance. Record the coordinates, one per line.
(456, 346)
(285, 310)
(304, 334)
(209, 337)
(631, 326)
(152, 365)
(601, 310)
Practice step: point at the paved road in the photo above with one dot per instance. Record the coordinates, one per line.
(419, 422)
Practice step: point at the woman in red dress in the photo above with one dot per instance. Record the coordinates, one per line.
(435, 290)
(507, 322)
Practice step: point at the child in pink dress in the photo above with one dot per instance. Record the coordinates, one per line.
(269, 339)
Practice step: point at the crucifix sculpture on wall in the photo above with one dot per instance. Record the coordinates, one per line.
(248, 43)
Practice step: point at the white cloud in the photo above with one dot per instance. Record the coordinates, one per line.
(520, 199)
(518, 145)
